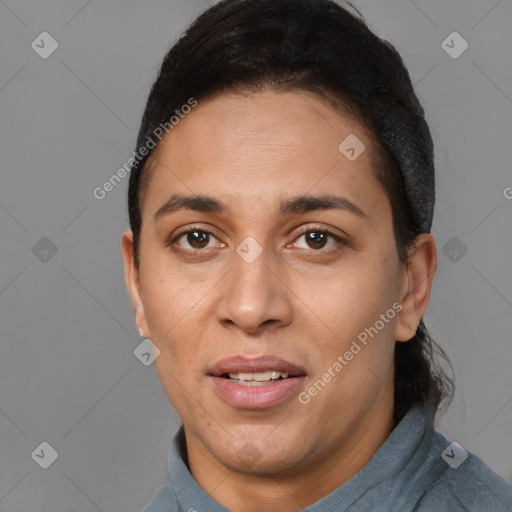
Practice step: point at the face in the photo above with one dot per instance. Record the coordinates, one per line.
(250, 282)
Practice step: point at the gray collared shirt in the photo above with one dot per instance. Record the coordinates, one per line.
(416, 469)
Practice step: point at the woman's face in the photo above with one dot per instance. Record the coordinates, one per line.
(253, 280)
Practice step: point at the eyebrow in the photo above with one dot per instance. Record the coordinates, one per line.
(294, 205)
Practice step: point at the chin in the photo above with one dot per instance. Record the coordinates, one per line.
(260, 455)
(253, 461)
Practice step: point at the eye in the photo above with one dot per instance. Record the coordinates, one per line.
(197, 239)
(318, 239)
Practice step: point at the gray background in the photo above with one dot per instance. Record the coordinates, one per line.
(68, 374)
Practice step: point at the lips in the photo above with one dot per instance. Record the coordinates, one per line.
(240, 364)
(260, 394)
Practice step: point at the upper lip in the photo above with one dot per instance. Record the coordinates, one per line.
(241, 364)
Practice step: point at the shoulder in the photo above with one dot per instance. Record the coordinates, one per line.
(164, 501)
(470, 487)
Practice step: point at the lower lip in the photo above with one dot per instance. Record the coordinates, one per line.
(256, 397)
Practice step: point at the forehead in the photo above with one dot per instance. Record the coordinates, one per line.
(263, 146)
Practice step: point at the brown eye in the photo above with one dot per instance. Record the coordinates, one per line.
(198, 239)
(194, 239)
(316, 239)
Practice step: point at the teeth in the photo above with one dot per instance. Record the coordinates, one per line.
(258, 377)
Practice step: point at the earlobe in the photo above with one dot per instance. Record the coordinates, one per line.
(418, 279)
(132, 280)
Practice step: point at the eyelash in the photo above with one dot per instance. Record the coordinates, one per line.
(315, 229)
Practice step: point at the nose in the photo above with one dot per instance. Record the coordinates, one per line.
(254, 296)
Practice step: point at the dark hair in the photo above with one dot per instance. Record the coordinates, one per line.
(316, 46)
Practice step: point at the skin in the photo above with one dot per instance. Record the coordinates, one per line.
(302, 302)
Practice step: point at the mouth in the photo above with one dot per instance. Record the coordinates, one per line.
(256, 379)
(255, 383)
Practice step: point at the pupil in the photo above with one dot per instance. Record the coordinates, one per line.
(197, 238)
(317, 238)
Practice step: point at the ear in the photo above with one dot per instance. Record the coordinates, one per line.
(132, 280)
(417, 281)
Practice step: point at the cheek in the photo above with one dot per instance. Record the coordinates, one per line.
(353, 299)
(351, 307)
(172, 312)
(170, 306)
